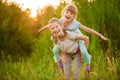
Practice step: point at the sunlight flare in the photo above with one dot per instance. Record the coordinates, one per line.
(34, 5)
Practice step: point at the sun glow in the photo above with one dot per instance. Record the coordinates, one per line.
(33, 5)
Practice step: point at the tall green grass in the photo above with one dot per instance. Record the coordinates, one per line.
(41, 66)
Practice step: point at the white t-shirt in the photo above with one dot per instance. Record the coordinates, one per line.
(69, 44)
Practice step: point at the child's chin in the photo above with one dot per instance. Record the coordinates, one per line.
(60, 35)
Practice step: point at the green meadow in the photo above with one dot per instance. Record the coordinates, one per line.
(26, 54)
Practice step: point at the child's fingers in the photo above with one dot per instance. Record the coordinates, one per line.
(62, 57)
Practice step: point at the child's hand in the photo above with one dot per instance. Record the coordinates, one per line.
(104, 38)
(62, 57)
(39, 30)
(43, 28)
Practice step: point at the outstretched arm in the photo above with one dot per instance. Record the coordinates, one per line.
(43, 28)
(89, 30)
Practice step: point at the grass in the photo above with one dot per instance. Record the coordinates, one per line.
(45, 69)
(41, 66)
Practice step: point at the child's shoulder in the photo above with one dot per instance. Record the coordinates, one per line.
(76, 22)
(75, 25)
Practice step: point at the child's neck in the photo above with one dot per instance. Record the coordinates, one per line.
(67, 24)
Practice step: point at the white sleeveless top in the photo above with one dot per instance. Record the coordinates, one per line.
(69, 43)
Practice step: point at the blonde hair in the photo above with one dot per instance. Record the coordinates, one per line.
(53, 20)
(72, 8)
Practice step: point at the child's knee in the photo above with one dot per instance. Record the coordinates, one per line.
(83, 51)
(56, 49)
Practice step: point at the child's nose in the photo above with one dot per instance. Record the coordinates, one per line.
(68, 13)
(56, 30)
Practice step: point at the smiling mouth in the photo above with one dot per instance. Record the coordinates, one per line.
(67, 17)
(57, 32)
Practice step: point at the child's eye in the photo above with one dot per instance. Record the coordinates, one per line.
(66, 11)
(52, 28)
(71, 13)
(56, 26)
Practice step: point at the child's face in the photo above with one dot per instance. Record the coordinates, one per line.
(68, 16)
(56, 29)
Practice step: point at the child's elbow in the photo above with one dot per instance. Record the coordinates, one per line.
(87, 38)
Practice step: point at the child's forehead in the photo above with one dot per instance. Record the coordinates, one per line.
(70, 11)
(53, 24)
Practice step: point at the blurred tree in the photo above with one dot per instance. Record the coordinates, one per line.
(16, 36)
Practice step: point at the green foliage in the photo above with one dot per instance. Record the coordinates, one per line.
(44, 68)
(45, 14)
(104, 17)
(16, 38)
